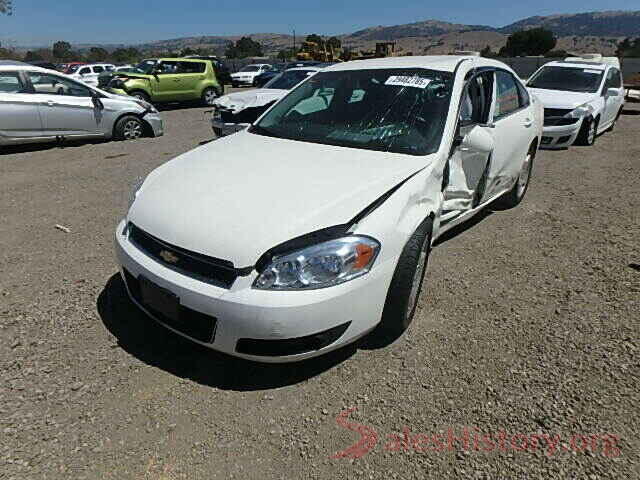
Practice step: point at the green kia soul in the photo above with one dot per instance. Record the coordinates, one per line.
(169, 80)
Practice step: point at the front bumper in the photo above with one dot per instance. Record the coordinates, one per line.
(155, 121)
(244, 315)
(560, 137)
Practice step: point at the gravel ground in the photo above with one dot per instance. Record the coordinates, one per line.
(528, 326)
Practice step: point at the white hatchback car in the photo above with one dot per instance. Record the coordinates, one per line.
(39, 105)
(314, 226)
(582, 97)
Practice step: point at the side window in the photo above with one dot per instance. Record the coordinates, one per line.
(191, 67)
(167, 68)
(84, 71)
(507, 95)
(476, 101)
(614, 79)
(10, 82)
(109, 68)
(525, 99)
(53, 85)
(98, 69)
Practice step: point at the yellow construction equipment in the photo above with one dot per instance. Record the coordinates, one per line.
(319, 53)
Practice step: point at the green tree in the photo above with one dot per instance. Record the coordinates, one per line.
(32, 56)
(629, 48)
(97, 54)
(536, 41)
(243, 48)
(334, 42)
(6, 7)
(557, 54)
(315, 39)
(188, 51)
(487, 52)
(61, 50)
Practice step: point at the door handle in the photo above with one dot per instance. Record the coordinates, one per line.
(528, 122)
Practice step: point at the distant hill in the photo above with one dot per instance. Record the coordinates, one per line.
(606, 24)
(578, 33)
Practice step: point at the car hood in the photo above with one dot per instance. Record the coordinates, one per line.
(237, 197)
(561, 99)
(239, 101)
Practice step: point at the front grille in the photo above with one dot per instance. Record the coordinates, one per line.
(555, 117)
(221, 273)
(191, 323)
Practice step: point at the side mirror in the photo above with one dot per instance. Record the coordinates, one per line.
(479, 140)
(97, 103)
(612, 92)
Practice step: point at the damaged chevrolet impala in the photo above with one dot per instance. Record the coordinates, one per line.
(313, 227)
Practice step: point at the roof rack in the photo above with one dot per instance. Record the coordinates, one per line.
(595, 58)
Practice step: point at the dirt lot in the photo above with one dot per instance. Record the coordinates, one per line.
(529, 326)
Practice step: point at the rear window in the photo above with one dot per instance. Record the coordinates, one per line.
(191, 67)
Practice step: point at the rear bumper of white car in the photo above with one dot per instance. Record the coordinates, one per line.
(265, 326)
(560, 137)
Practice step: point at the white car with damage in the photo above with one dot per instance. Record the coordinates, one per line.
(582, 96)
(236, 111)
(313, 228)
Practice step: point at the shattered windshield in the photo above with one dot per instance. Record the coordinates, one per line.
(586, 80)
(288, 79)
(394, 110)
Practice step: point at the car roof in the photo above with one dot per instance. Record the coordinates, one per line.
(306, 69)
(447, 63)
(577, 64)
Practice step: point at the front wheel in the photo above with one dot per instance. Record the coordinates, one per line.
(129, 127)
(406, 284)
(588, 132)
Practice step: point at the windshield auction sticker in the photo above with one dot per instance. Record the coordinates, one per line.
(405, 81)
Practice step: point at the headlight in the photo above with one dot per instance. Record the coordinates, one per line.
(323, 265)
(146, 106)
(581, 111)
(135, 188)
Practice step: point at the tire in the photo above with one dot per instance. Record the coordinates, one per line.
(208, 96)
(615, 120)
(588, 132)
(129, 127)
(514, 196)
(406, 285)
(140, 95)
(235, 85)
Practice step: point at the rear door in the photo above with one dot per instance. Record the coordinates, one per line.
(66, 107)
(191, 74)
(19, 115)
(513, 132)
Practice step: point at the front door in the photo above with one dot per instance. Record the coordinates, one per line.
(19, 115)
(167, 84)
(467, 167)
(66, 107)
(612, 103)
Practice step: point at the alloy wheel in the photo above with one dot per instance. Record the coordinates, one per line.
(132, 130)
(525, 175)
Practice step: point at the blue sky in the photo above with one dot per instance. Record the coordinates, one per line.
(37, 22)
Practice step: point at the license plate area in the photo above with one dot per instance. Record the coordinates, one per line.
(159, 300)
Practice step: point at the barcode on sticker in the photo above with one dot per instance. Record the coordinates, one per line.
(406, 81)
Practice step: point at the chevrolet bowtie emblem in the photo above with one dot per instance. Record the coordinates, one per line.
(169, 257)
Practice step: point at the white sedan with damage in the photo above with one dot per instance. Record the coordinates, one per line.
(313, 228)
(236, 111)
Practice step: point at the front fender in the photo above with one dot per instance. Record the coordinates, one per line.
(395, 221)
